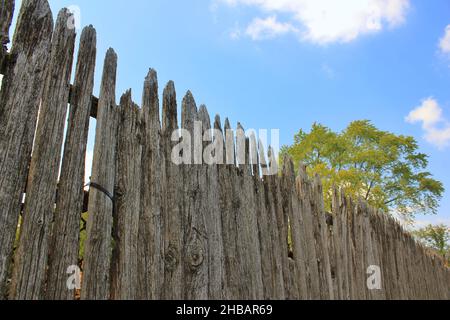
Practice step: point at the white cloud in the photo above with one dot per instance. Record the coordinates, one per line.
(434, 124)
(268, 28)
(428, 112)
(444, 43)
(328, 21)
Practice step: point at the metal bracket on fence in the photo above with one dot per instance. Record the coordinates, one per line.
(101, 189)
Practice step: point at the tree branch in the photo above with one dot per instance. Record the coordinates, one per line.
(392, 200)
(369, 190)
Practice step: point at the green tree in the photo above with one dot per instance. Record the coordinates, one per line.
(383, 168)
(435, 237)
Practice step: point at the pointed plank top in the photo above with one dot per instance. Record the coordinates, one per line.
(170, 115)
(189, 112)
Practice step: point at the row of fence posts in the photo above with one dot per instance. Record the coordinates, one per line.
(158, 230)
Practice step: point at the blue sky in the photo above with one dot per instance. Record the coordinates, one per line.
(285, 64)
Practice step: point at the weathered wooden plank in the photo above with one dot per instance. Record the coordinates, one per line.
(151, 262)
(243, 242)
(330, 220)
(19, 104)
(368, 258)
(374, 223)
(98, 242)
(283, 290)
(245, 286)
(128, 192)
(265, 233)
(336, 234)
(6, 15)
(173, 201)
(268, 231)
(402, 271)
(32, 253)
(195, 243)
(350, 215)
(391, 265)
(307, 233)
(212, 212)
(293, 206)
(229, 204)
(359, 271)
(230, 153)
(248, 240)
(69, 203)
(345, 255)
(242, 150)
(254, 156)
(326, 283)
(279, 252)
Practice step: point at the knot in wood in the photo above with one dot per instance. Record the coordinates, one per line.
(171, 259)
(193, 193)
(196, 254)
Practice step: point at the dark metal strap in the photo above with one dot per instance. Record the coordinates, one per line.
(100, 188)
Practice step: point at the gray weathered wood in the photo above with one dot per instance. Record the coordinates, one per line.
(320, 224)
(195, 242)
(69, 203)
(19, 104)
(32, 253)
(308, 233)
(229, 203)
(172, 201)
(98, 247)
(128, 192)
(293, 208)
(172, 231)
(212, 212)
(248, 239)
(151, 262)
(283, 285)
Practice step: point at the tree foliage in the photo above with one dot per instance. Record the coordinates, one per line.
(435, 237)
(383, 168)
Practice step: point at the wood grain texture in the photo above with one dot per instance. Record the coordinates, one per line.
(69, 203)
(283, 290)
(19, 103)
(212, 212)
(151, 262)
(98, 246)
(32, 254)
(128, 192)
(173, 213)
(309, 229)
(195, 240)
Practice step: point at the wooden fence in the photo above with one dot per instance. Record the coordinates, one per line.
(157, 230)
